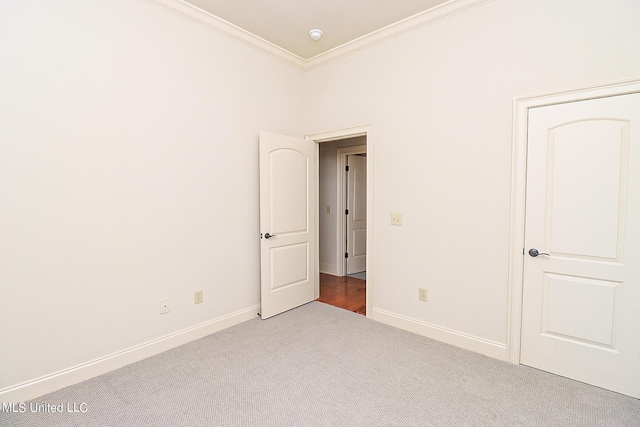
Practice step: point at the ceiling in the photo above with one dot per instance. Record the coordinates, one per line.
(286, 23)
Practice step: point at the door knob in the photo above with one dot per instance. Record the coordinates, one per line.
(534, 252)
(268, 236)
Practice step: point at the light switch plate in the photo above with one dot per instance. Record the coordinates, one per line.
(197, 297)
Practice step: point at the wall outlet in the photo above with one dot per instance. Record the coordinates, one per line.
(197, 297)
(422, 294)
(165, 306)
(396, 219)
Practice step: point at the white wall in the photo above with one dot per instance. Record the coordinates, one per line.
(129, 170)
(440, 100)
(129, 173)
(328, 197)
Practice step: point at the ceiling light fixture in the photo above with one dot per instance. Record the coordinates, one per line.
(315, 34)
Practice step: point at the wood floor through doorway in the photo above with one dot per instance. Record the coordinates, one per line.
(345, 292)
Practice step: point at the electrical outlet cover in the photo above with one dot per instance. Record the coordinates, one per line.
(165, 306)
(197, 297)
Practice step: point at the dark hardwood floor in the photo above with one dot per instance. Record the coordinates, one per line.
(345, 292)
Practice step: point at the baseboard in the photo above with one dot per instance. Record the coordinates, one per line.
(468, 342)
(328, 269)
(52, 382)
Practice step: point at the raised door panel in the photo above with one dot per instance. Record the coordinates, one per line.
(288, 206)
(585, 199)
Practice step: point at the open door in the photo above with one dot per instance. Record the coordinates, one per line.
(356, 214)
(287, 222)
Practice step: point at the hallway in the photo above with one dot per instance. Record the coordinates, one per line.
(345, 292)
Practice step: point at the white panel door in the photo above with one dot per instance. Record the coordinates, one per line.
(357, 216)
(581, 302)
(287, 222)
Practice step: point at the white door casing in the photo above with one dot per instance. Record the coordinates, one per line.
(288, 205)
(581, 303)
(356, 219)
(367, 131)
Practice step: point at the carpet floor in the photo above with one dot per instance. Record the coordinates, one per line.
(321, 366)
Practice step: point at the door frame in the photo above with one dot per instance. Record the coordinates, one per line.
(366, 131)
(341, 180)
(521, 108)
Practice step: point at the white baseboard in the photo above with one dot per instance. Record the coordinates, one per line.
(74, 375)
(468, 342)
(328, 269)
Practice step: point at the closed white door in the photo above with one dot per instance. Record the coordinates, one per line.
(357, 214)
(288, 198)
(581, 295)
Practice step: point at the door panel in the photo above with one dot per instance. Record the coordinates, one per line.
(576, 228)
(289, 265)
(591, 302)
(289, 191)
(357, 218)
(288, 194)
(581, 302)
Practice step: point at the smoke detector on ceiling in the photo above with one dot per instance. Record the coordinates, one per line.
(315, 34)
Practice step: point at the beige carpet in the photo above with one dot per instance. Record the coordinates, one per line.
(321, 366)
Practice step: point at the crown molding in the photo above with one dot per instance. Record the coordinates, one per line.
(429, 16)
(220, 25)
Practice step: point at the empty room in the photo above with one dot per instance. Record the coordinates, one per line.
(167, 212)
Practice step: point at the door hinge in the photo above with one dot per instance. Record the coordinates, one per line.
(346, 255)
(346, 211)
(346, 168)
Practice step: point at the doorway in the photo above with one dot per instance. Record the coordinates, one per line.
(347, 292)
(336, 206)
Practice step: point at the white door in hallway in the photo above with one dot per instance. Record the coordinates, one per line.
(581, 294)
(288, 199)
(357, 216)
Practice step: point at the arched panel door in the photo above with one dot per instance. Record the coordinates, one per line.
(287, 222)
(581, 292)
